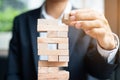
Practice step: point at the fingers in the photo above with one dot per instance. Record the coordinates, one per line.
(94, 24)
(82, 15)
(85, 19)
(87, 25)
(86, 14)
(95, 32)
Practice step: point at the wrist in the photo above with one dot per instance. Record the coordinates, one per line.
(107, 42)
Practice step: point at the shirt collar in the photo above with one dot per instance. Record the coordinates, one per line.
(66, 10)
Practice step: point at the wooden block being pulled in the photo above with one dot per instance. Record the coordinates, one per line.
(63, 58)
(63, 75)
(53, 58)
(66, 19)
(42, 46)
(63, 46)
(52, 64)
(66, 16)
(53, 52)
(52, 40)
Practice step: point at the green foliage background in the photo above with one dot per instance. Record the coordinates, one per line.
(6, 19)
(7, 14)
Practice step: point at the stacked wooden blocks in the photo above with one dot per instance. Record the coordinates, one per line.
(53, 50)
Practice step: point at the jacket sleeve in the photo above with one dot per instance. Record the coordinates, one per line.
(97, 65)
(13, 71)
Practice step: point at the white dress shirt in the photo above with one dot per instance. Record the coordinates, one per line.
(108, 54)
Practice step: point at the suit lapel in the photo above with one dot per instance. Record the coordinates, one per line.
(34, 34)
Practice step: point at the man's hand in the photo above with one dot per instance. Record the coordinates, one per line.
(94, 24)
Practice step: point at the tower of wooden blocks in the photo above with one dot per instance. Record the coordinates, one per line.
(53, 50)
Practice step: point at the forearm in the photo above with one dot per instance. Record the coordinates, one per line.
(109, 55)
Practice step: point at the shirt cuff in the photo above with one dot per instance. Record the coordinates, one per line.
(109, 54)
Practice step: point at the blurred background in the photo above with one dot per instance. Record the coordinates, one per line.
(11, 8)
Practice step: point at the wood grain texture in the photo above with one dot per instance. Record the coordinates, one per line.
(57, 34)
(52, 40)
(63, 58)
(52, 58)
(63, 46)
(53, 52)
(52, 28)
(42, 70)
(52, 44)
(63, 75)
(47, 22)
(52, 64)
(42, 46)
(48, 69)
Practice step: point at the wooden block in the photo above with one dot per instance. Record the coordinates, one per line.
(53, 69)
(52, 79)
(52, 34)
(42, 46)
(42, 69)
(42, 79)
(59, 34)
(52, 40)
(52, 28)
(47, 22)
(63, 75)
(56, 79)
(48, 69)
(47, 46)
(66, 16)
(53, 58)
(66, 20)
(53, 52)
(63, 34)
(63, 58)
(63, 46)
(52, 64)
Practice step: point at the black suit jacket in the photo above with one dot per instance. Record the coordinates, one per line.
(23, 59)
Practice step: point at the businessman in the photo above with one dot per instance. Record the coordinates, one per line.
(93, 47)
